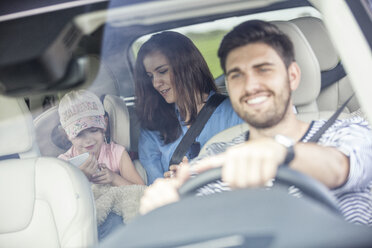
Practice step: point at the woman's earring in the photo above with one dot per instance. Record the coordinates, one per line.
(105, 139)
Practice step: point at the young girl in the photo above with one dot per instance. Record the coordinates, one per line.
(82, 117)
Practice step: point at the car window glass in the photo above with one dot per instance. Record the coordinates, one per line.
(207, 36)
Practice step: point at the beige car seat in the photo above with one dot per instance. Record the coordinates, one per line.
(334, 95)
(304, 97)
(120, 127)
(52, 141)
(45, 202)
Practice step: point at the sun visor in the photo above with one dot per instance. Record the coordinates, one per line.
(41, 66)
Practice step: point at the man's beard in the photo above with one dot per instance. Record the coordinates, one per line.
(272, 117)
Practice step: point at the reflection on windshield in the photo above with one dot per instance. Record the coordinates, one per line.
(368, 6)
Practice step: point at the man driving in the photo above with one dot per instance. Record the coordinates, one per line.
(261, 73)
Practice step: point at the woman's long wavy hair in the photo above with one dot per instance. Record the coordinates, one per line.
(191, 78)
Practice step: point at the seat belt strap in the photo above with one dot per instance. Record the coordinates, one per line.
(330, 77)
(329, 122)
(196, 128)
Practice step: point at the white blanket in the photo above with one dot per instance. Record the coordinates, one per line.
(122, 200)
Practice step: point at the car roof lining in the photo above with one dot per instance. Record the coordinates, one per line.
(178, 11)
(39, 54)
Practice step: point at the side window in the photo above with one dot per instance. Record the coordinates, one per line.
(207, 36)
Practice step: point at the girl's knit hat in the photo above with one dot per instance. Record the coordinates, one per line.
(79, 110)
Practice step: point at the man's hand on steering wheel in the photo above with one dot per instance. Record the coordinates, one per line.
(253, 163)
(250, 164)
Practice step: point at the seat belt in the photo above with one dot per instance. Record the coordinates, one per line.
(195, 129)
(329, 122)
(330, 77)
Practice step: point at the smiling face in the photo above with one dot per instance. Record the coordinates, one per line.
(160, 72)
(259, 84)
(89, 140)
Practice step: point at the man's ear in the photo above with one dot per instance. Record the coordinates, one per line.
(294, 76)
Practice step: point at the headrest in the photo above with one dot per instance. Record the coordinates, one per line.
(310, 83)
(119, 120)
(50, 137)
(16, 128)
(53, 141)
(17, 196)
(318, 37)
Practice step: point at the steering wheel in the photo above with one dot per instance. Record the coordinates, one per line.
(285, 176)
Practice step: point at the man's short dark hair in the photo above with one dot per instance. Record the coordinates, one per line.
(256, 31)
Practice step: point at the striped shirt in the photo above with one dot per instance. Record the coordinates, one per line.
(352, 137)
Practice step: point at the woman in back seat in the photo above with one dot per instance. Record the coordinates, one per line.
(173, 82)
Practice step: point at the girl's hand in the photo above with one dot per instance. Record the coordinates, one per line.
(104, 176)
(90, 166)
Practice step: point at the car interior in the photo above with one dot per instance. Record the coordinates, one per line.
(99, 56)
(324, 86)
(322, 90)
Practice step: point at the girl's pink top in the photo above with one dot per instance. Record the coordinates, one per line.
(110, 155)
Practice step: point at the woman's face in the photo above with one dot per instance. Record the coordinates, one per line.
(160, 72)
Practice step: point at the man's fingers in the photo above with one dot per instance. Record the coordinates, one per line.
(209, 163)
(253, 176)
(269, 170)
(183, 174)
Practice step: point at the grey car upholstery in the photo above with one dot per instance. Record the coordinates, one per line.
(45, 202)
